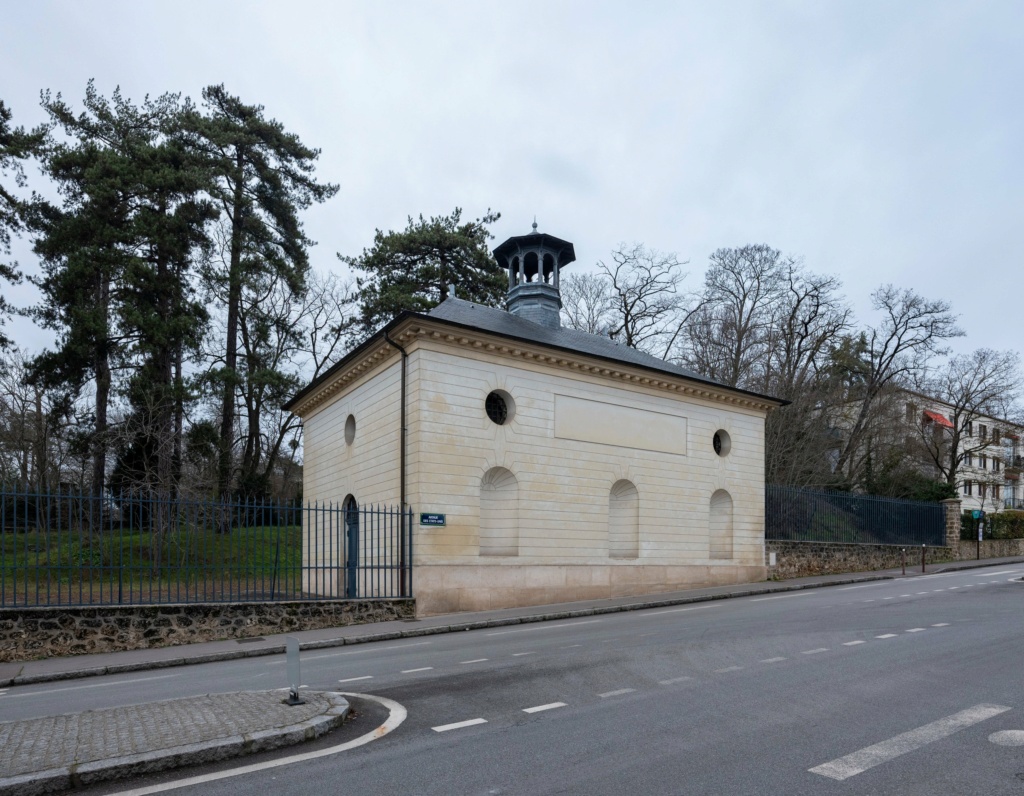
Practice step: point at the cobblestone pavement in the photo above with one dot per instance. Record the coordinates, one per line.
(178, 731)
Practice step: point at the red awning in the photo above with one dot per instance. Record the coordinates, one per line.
(940, 419)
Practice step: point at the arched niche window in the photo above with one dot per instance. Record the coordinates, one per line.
(549, 270)
(531, 267)
(720, 525)
(623, 520)
(499, 513)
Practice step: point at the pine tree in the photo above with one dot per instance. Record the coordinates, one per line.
(263, 177)
(414, 269)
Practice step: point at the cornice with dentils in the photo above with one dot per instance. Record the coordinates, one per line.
(423, 329)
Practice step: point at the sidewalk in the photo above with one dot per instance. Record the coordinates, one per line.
(47, 670)
(58, 753)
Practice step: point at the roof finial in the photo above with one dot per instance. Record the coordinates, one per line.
(535, 224)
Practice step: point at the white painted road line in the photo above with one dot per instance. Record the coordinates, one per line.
(847, 588)
(993, 574)
(781, 597)
(674, 680)
(868, 601)
(355, 679)
(814, 652)
(953, 587)
(421, 669)
(475, 660)
(852, 643)
(915, 630)
(539, 708)
(772, 660)
(359, 652)
(93, 685)
(458, 725)
(570, 646)
(543, 626)
(620, 692)
(728, 669)
(677, 610)
(887, 635)
(520, 654)
(906, 595)
(922, 592)
(396, 715)
(941, 624)
(871, 756)
(888, 598)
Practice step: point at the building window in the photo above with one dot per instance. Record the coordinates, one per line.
(968, 488)
(500, 407)
(350, 429)
(982, 431)
(722, 442)
(995, 464)
(969, 459)
(983, 462)
(970, 428)
(911, 413)
(995, 491)
(995, 436)
(982, 489)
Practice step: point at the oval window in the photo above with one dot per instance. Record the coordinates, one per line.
(499, 407)
(722, 442)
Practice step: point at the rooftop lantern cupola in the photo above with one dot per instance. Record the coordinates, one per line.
(533, 262)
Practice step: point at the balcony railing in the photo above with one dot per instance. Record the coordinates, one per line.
(1013, 503)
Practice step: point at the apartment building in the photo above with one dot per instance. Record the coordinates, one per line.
(990, 451)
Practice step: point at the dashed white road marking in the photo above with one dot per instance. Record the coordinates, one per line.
(539, 708)
(871, 756)
(520, 654)
(458, 725)
(993, 574)
(869, 601)
(953, 587)
(543, 626)
(941, 624)
(922, 592)
(570, 646)
(728, 669)
(887, 635)
(475, 660)
(853, 643)
(888, 598)
(906, 595)
(773, 660)
(814, 652)
(1008, 738)
(782, 596)
(355, 679)
(675, 680)
(915, 629)
(935, 590)
(397, 714)
(421, 669)
(620, 692)
(359, 652)
(847, 588)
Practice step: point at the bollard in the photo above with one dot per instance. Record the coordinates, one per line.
(904, 557)
(294, 675)
(922, 557)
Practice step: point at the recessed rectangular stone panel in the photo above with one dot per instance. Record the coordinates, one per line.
(622, 426)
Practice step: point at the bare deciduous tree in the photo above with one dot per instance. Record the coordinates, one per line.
(586, 302)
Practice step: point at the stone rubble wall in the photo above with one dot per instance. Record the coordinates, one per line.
(801, 559)
(32, 633)
(991, 548)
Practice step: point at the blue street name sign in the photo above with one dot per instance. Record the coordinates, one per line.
(432, 519)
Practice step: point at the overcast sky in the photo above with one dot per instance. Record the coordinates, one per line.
(879, 141)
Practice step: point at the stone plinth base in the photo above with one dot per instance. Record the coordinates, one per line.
(801, 559)
(447, 588)
(29, 633)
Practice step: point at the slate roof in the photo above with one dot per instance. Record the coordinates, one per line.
(468, 315)
(489, 319)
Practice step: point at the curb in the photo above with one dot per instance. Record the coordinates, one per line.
(279, 649)
(980, 564)
(80, 776)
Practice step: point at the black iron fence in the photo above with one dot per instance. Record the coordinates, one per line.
(72, 549)
(805, 515)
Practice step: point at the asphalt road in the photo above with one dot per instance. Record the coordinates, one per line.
(913, 686)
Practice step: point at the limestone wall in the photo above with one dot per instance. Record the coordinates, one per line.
(30, 633)
(801, 559)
